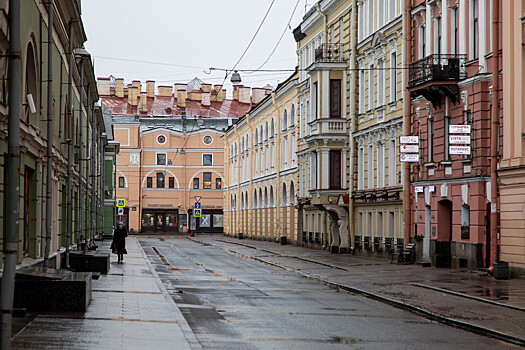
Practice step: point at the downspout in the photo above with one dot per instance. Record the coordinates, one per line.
(49, 193)
(69, 225)
(353, 116)
(325, 22)
(494, 136)
(277, 159)
(407, 106)
(80, 152)
(93, 177)
(13, 176)
(88, 168)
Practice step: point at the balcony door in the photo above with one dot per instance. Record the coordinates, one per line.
(335, 98)
(335, 169)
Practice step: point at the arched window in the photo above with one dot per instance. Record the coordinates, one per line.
(246, 202)
(242, 145)
(272, 203)
(261, 134)
(255, 138)
(284, 198)
(272, 128)
(235, 201)
(292, 194)
(255, 199)
(285, 120)
(292, 115)
(260, 198)
(266, 197)
(266, 132)
(235, 149)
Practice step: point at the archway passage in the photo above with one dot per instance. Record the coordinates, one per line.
(443, 256)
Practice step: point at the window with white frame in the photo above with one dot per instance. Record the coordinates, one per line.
(161, 158)
(393, 76)
(256, 163)
(361, 21)
(370, 166)
(371, 86)
(361, 90)
(454, 30)
(421, 40)
(272, 155)
(380, 164)
(207, 159)
(381, 82)
(392, 5)
(285, 151)
(361, 168)
(381, 13)
(292, 149)
(392, 163)
(437, 35)
(370, 16)
(474, 29)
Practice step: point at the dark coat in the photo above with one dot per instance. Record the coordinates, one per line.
(119, 239)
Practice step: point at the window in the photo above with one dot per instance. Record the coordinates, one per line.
(475, 29)
(381, 82)
(335, 98)
(371, 166)
(361, 90)
(218, 183)
(393, 77)
(361, 169)
(380, 164)
(207, 140)
(161, 158)
(454, 30)
(207, 159)
(465, 221)
(121, 182)
(371, 93)
(314, 114)
(437, 31)
(392, 163)
(171, 182)
(160, 180)
(335, 169)
(421, 39)
(206, 181)
(161, 139)
(431, 140)
(195, 183)
(149, 182)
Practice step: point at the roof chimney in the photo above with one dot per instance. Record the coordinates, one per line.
(103, 86)
(133, 95)
(206, 94)
(150, 88)
(165, 91)
(244, 94)
(221, 93)
(136, 83)
(143, 102)
(258, 94)
(236, 92)
(119, 87)
(181, 99)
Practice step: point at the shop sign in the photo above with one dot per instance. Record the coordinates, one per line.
(459, 139)
(458, 150)
(419, 189)
(409, 148)
(409, 139)
(459, 129)
(162, 205)
(432, 189)
(409, 157)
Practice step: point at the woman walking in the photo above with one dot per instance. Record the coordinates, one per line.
(119, 241)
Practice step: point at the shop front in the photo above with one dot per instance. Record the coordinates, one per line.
(209, 222)
(160, 220)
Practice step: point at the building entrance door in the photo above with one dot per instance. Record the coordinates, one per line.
(443, 256)
(426, 238)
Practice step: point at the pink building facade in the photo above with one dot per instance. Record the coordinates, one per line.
(450, 83)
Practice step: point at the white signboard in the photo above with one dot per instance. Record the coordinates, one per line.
(409, 139)
(419, 189)
(459, 129)
(409, 157)
(409, 148)
(459, 139)
(459, 150)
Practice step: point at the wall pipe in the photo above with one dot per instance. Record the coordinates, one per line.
(353, 116)
(407, 50)
(69, 220)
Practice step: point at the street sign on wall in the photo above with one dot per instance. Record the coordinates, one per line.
(409, 157)
(459, 150)
(459, 139)
(409, 139)
(409, 148)
(459, 129)
(419, 189)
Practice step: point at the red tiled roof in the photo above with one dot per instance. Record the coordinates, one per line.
(157, 107)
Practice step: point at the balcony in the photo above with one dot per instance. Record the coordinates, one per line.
(435, 76)
(328, 57)
(331, 129)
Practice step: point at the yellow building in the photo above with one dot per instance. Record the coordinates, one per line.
(261, 168)
(377, 189)
(323, 46)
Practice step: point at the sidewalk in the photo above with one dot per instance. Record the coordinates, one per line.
(130, 310)
(462, 299)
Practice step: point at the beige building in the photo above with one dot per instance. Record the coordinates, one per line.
(377, 189)
(512, 167)
(172, 151)
(261, 169)
(323, 46)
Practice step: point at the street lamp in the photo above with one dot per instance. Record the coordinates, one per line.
(236, 78)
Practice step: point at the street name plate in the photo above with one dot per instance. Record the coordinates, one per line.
(409, 157)
(459, 129)
(409, 139)
(419, 189)
(459, 139)
(459, 150)
(409, 148)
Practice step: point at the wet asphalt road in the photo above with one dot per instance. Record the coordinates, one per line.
(232, 302)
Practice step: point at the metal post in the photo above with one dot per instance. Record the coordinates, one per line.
(353, 116)
(13, 176)
(408, 118)
(494, 136)
(69, 222)
(49, 203)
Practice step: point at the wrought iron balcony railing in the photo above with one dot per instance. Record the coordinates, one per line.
(329, 53)
(436, 68)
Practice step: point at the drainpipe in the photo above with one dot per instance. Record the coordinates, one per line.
(69, 220)
(353, 116)
(13, 176)
(494, 136)
(80, 152)
(93, 178)
(407, 51)
(49, 193)
(325, 22)
(88, 168)
(276, 151)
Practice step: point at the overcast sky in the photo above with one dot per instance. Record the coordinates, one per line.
(188, 37)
